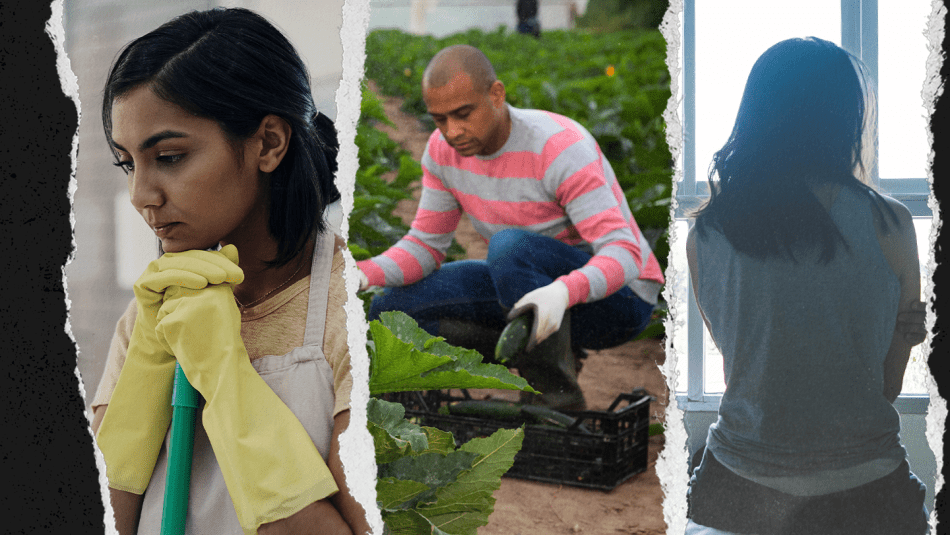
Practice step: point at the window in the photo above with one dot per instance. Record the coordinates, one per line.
(721, 41)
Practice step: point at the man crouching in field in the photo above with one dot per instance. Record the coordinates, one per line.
(562, 241)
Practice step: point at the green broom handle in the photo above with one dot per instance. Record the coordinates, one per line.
(180, 448)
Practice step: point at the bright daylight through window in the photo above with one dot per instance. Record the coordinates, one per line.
(721, 42)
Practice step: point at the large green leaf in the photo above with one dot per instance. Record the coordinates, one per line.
(440, 441)
(410, 523)
(465, 504)
(404, 357)
(393, 435)
(434, 470)
(394, 361)
(460, 485)
(392, 493)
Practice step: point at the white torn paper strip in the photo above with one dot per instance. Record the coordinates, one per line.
(356, 445)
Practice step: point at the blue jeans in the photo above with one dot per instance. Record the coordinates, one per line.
(483, 291)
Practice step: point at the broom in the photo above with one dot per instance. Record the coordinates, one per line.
(180, 448)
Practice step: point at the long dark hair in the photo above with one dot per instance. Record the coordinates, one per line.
(806, 119)
(234, 67)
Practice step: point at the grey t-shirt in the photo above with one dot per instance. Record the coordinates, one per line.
(803, 346)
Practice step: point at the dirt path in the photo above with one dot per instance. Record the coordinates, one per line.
(531, 508)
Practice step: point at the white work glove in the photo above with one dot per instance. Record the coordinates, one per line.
(364, 282)
(549, 303)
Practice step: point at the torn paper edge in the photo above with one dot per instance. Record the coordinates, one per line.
(357, 451)
(932, 89)
(672, 463)
(70, 86)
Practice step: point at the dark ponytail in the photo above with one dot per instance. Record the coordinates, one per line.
(326, 132)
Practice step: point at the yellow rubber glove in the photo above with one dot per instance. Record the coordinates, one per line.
(137, 418)
(270, 465)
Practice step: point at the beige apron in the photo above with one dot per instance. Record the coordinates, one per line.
(302, 379)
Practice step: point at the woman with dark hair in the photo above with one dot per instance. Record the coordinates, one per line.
(800, 269)
(212, 119)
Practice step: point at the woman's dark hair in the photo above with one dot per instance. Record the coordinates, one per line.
(232, 66)
(806, 118)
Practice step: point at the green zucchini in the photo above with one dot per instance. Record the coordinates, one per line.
(514, 338)
(509, 410)
(500, 410)
(545, 415)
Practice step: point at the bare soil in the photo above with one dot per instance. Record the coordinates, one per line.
(527, 507)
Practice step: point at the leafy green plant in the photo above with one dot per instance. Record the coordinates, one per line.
(387, 174)
(612, 15)
(383, 178)
(424, 483)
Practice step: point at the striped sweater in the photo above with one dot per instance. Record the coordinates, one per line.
(550, 178)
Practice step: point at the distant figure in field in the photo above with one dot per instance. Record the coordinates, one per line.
(528, 17)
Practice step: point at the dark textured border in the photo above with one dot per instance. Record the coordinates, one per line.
(46, 453)
(940, 356)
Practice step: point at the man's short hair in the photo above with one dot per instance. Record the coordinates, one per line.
(456, 59)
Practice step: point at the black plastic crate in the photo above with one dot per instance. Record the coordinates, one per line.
(613, 448)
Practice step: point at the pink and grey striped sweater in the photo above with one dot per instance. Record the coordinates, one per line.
(550, 178)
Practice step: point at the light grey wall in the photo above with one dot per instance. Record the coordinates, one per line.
(113, 245)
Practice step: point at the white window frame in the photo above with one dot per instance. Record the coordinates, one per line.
(859, 35)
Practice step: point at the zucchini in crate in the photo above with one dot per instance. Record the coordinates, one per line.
(554, 418)
(499, 410)
(515, 412)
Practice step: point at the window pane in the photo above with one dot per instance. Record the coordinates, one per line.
(730, 36)
(714, 380)
(917, 367)
(902, 53)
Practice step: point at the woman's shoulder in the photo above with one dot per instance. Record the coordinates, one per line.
(892, 219)
(887, 210)
(894, 225)
(901, 211)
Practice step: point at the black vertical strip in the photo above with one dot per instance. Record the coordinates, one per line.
(47, 466)
(940, 356)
